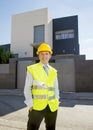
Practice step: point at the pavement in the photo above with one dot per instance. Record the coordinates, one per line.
(75, 111)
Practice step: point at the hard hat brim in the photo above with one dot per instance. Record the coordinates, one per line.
(51, 52)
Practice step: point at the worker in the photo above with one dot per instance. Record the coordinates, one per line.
(41, 91)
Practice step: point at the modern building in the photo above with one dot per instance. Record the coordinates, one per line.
(29, 29)
(65, 35)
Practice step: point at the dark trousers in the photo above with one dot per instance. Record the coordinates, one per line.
(35, 118)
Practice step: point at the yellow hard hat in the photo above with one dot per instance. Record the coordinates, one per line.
(44, 47)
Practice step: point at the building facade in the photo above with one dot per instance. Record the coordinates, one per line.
(65, 35)
(31, 28)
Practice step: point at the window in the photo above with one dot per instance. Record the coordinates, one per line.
(65, 34)
(39, 34)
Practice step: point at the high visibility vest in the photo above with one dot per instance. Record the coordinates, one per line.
(43, 90)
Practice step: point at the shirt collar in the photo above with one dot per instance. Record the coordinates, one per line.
(45, 65)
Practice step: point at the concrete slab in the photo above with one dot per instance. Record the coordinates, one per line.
(70, 118)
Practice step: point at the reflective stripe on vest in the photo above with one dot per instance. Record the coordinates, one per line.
(39, 85)
(43, 97)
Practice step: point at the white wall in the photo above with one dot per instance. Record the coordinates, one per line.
(23, 28)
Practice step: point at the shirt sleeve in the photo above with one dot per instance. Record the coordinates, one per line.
(27, 89)
(56, 89)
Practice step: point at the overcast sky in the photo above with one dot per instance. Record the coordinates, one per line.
(57, 8)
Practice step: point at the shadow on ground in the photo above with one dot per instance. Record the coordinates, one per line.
(72, 102)
(70, 99)
(10, 104)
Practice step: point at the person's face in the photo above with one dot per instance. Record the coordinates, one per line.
(44, 57)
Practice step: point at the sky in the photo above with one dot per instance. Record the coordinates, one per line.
(58, 9)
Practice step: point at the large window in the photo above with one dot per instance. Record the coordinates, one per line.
(64, 34)
(39, 34)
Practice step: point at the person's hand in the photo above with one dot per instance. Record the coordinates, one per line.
(30, 109)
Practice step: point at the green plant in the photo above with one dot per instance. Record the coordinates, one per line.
(5, 55)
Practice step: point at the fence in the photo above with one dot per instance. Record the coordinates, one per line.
(74, 73)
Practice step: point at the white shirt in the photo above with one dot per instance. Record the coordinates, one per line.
(27, 89)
